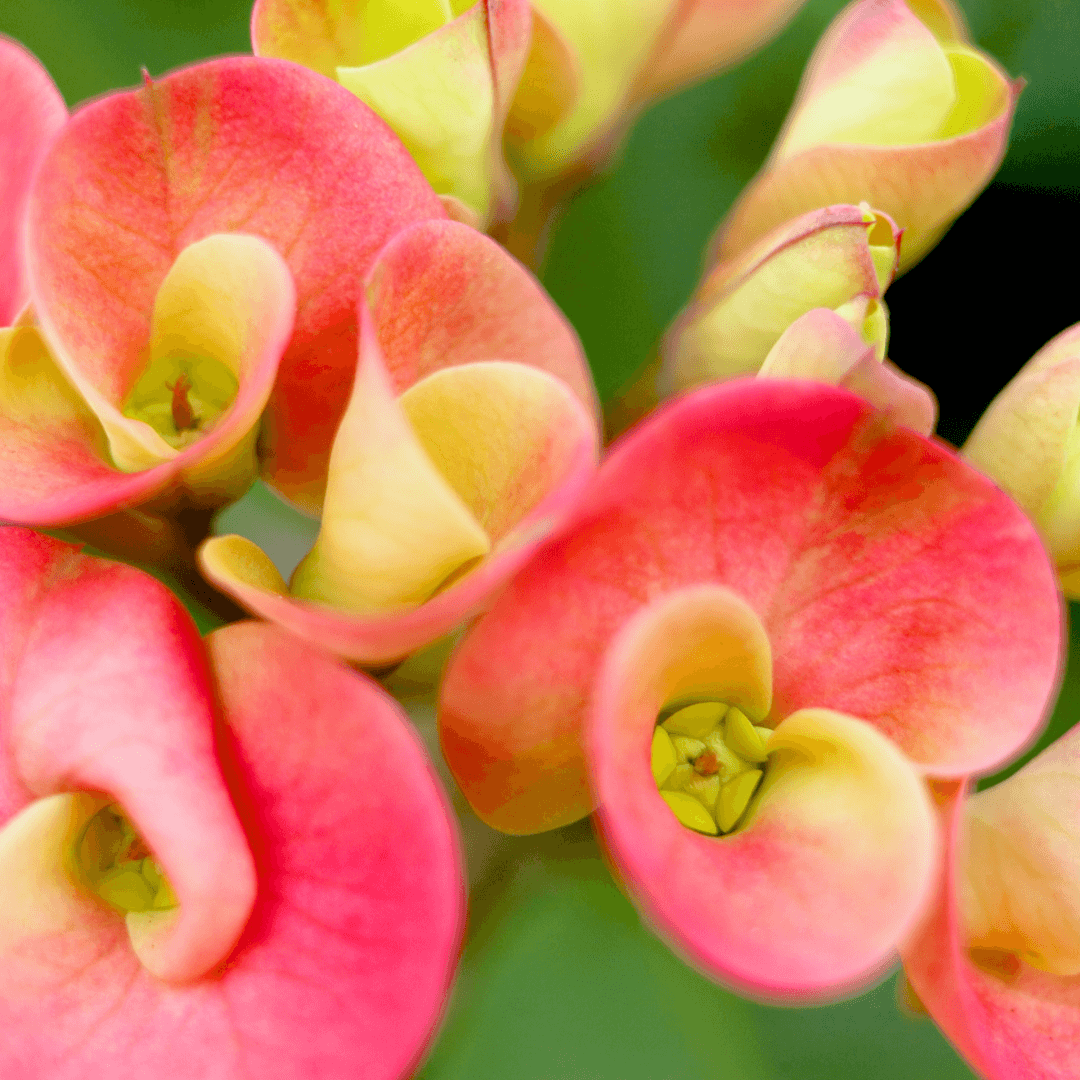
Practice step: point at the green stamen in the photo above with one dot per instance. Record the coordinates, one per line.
(112, 861)
(181, 396)
(708, 760)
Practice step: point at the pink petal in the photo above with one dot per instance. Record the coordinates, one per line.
(443, 294)
(33, 113)
(353, 842)
(533, 500)
(133, 719)
(896, 583)
(233, 145)
(1020, 1022)
(55, 462)
(812, 894)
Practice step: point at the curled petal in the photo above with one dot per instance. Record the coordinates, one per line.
(841, 257)
(550, 83)
(507, 447)
(896, 583)
(240, 144)
(71, 455)
(917, 138)
(810, 897)
(1027, 441)
(76, 718)
(1006, 1017)
(822, 345)
(33, 113)
(442, 294)
(612, 43)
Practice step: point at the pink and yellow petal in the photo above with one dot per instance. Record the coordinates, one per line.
(252, 145)
(840, 257)
(442, 294)
(822, 345)
(1027, 441)
(1007, 1018)
(612, 41)
(865, 548)
(60, 689)
(951, 125)
(33, 113)
(326, 776)
(810, 896)
(504, 450)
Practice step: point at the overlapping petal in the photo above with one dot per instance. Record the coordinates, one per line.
(840, 257)
(33, 113)
(349, 847)
(441, 74)
(612, 55)
(1027, 441)
(1007, 1017)
(896, 109)
(896, 584)
(810, 896)
(239, 145)
(436, 498)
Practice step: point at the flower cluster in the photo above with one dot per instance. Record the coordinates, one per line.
(771, 637)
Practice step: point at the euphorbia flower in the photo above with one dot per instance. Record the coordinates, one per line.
(840, 257)
(193, 900)
(466, 440)
(881, 609)
(167, 227)
(897, 109)
(442, 73)
(33, 113)
(997, 963)
(1028, 441)
(593, 65)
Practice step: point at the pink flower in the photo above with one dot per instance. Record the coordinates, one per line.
(33, 113)
(469, 435)
(873, 608)
(194, 896)
(189, 243)
(997, 961)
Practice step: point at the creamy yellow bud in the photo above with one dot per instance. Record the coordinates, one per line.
(686, 749)
(663, 756)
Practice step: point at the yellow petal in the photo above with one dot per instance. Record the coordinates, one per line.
(663, 756)
(696, 720)
(743, 737)
(503, 435)
(735, 797)
(690, 811)
(393, 529)
(439, 97)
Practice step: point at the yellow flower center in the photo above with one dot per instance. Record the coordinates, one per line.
(181, 396)
(113, 862)
(707, 761)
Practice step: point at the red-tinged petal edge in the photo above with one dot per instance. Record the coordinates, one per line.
(442, 294)
(1014, 1022)
(33, 113)
(809, 898)
(252, 145)
(105, 689)
(896, 583)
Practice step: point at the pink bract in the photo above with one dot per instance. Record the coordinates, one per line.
(896, 584)
(308, 841)
(248, 145)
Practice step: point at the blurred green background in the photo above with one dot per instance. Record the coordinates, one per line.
(560, 981)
